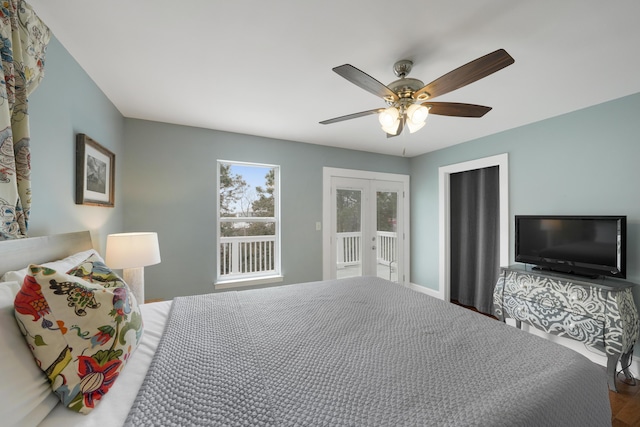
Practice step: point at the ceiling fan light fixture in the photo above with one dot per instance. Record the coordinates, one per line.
(406, 96)
(392, 129)
(388, 117)
(414, 127)
(417, 114)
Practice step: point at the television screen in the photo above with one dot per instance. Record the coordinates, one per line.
(586, 245)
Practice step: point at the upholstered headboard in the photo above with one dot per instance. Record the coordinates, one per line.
(17, 254)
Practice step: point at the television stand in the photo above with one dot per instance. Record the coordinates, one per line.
(569, 272)
(598, 313)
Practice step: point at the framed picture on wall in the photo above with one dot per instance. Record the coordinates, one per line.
(95, 173)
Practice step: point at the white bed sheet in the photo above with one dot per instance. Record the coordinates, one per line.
(114, 406)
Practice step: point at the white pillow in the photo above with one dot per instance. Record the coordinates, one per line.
(24, 389)
(62, 265)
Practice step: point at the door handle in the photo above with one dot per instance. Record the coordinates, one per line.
(373, 248)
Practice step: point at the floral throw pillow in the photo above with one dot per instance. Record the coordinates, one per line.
(82, 327)
(94, 270)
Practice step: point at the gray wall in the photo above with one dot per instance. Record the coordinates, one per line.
(585, 162)
(68, 102)
(165, 180)
(170, 176)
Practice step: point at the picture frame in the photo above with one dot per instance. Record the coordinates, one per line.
(95, 173)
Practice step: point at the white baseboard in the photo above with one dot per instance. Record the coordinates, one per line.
(428, 291)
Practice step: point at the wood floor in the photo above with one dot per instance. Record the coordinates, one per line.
(625, 404)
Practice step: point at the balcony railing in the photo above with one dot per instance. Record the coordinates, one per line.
(387, 247)
(348, 248)
(247, 255)
(254, 255)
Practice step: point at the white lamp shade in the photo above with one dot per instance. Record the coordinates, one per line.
(388, 117)
(414, 127)
(130, 250)
(393, 128)
(417, 113)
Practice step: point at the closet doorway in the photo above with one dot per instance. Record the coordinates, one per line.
(450, 179)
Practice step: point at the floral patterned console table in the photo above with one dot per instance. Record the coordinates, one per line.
(598, 312)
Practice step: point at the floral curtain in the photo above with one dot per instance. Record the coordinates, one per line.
(23, 42)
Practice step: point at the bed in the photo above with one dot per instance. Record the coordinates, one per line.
(360, 351)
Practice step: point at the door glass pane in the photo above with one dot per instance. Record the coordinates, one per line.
(349, 233)
(386, 235)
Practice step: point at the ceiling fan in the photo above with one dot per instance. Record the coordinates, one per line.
(409, 100)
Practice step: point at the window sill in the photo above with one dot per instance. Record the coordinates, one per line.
(252, 281)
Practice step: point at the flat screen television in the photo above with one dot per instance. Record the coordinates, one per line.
(583, 245)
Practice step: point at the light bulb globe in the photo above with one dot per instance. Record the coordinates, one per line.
(417, 113)
(388, 116)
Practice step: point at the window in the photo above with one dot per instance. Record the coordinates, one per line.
(248, 223)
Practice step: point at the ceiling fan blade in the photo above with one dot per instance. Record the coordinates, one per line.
(468, 73)
(456, 109)
(365, 81)
(351, 116)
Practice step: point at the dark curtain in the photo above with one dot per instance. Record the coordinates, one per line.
(475, 236)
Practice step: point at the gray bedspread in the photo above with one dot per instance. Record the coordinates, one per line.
(357, 352)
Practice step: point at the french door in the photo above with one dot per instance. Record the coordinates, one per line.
(367, 228)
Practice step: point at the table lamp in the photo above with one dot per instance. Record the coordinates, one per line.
(132, 252)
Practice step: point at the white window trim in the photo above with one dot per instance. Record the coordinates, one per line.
(250, 279)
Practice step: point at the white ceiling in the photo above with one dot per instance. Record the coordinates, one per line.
(264, 67)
